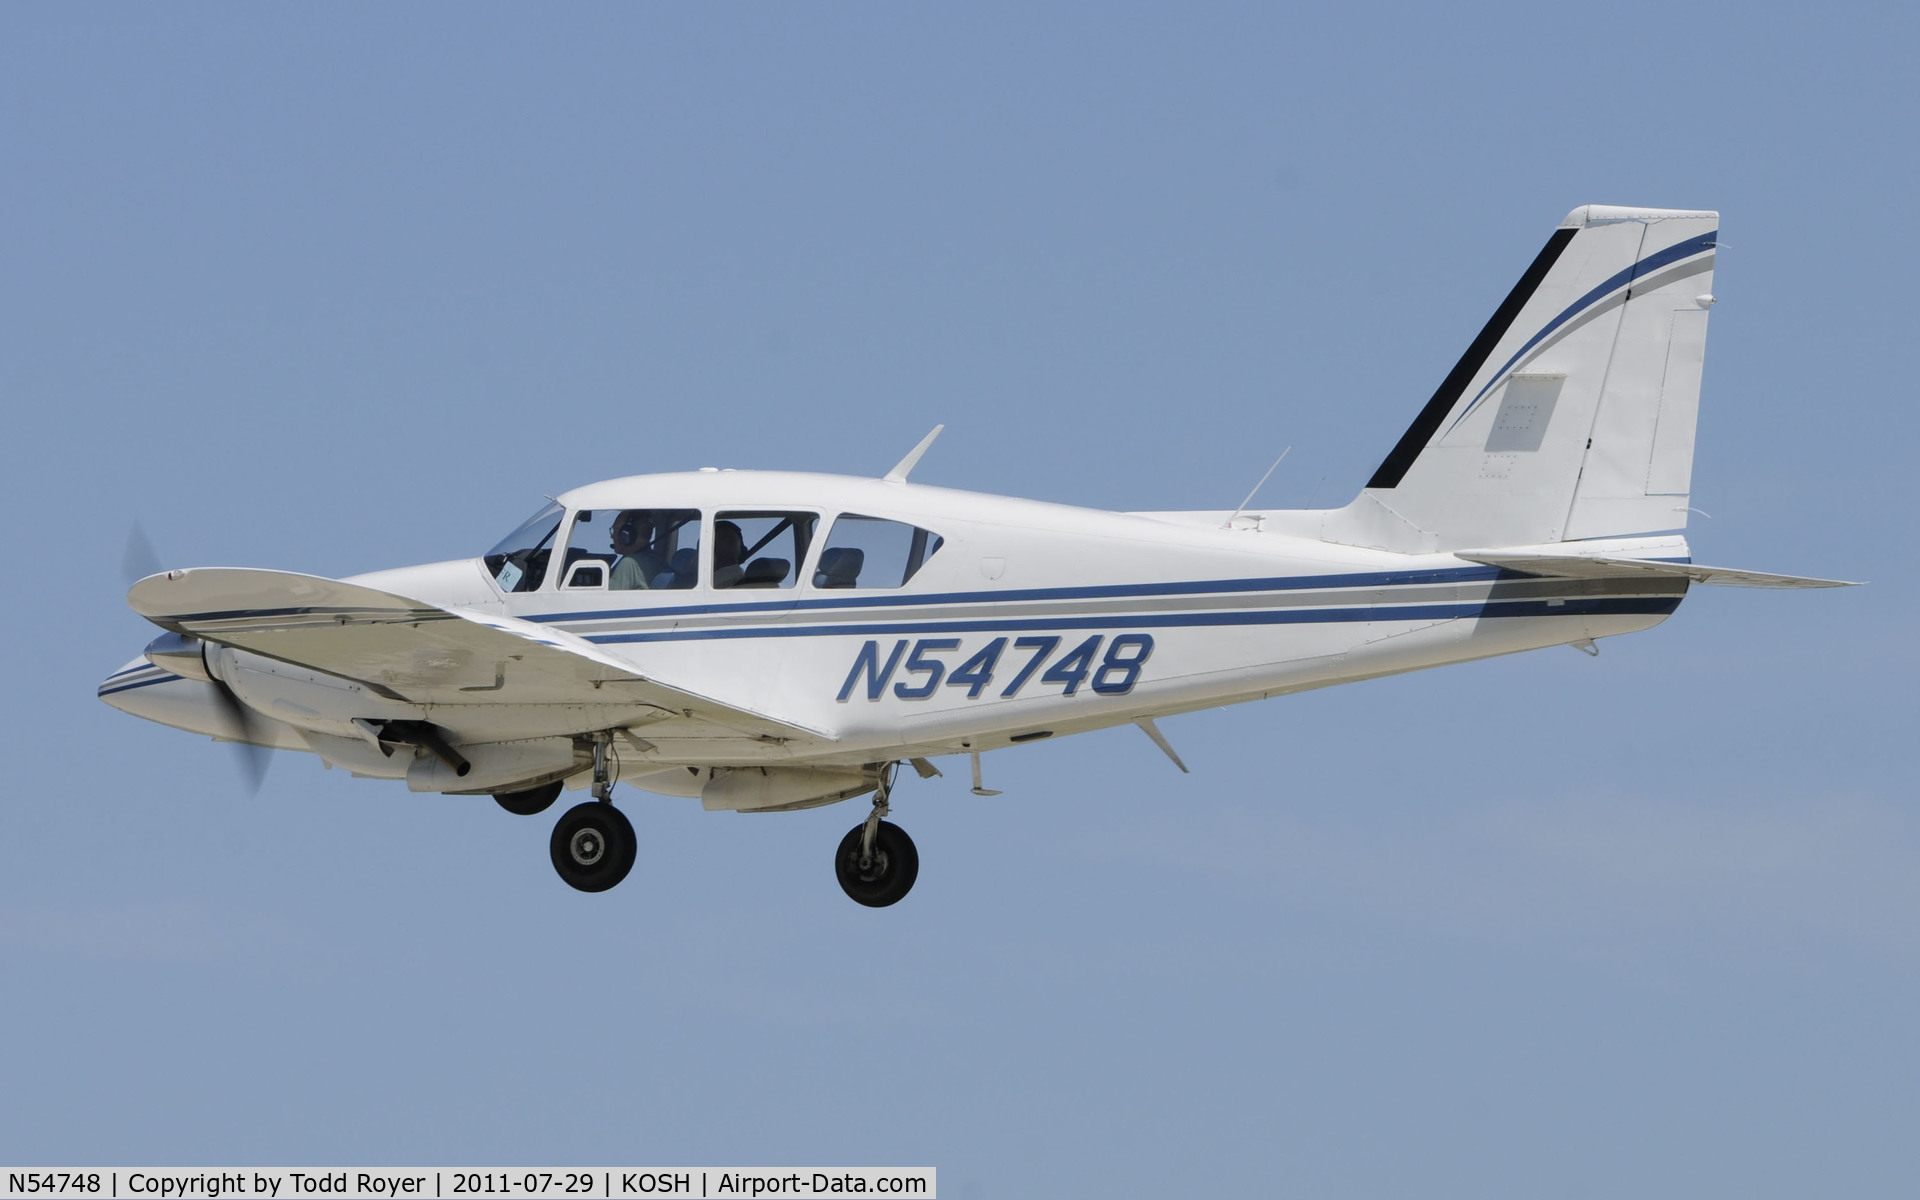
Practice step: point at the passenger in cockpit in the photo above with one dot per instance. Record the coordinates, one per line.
(729, 553)
(638, 563)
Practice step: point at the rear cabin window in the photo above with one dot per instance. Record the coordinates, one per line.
(872, 552)
(760, 549)
(633, 549)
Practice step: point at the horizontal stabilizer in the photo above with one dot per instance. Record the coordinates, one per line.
(1577, 566)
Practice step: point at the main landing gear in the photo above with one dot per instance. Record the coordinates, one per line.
(877, 862)
(593, 844)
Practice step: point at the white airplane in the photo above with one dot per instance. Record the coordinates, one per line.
(769, 641)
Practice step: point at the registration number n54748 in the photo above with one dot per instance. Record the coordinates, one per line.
(923, 666)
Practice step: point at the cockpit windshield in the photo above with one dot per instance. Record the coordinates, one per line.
(519, 561)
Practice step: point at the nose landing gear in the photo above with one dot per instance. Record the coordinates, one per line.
(877, 862)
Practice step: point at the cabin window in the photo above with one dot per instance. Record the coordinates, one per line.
(641, 549)
(760, 549)
(519, 561)
(872, 552)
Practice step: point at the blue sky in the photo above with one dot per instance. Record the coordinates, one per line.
(336, 289)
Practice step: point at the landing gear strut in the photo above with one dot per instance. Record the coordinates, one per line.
(877, 862)
(593, 844)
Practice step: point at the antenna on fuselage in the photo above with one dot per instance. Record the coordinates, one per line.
(900, 469)
(1257, 487)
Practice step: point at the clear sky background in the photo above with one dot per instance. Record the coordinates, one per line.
(342, 288)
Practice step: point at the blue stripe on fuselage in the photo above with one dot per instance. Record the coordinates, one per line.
(1631, 606)
(1202, 587)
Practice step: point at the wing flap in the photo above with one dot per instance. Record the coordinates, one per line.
(1578, 566)
(418, 652)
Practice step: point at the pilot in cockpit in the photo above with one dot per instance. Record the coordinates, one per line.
(638, 563)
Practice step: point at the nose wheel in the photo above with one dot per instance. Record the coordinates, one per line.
(877, 862)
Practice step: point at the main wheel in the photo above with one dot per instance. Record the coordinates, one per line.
(890, 871)
(531, 802)
(593, 846)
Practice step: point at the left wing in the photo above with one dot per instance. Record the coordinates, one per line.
(420, 653)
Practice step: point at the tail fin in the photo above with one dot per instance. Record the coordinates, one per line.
(1572, 414)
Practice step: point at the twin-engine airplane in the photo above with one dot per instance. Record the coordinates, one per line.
(769, 641)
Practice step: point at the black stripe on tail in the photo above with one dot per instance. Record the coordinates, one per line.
(1414, 440)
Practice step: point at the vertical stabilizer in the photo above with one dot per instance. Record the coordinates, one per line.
(1572, 414)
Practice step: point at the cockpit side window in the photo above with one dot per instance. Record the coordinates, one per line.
(643, 549)
(873, 552)
(760, 549)
(519, 561)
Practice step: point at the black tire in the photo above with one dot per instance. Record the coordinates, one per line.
(593, 846)
(890, 873)
(530, 803)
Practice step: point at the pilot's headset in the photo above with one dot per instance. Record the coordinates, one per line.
(630, 528)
